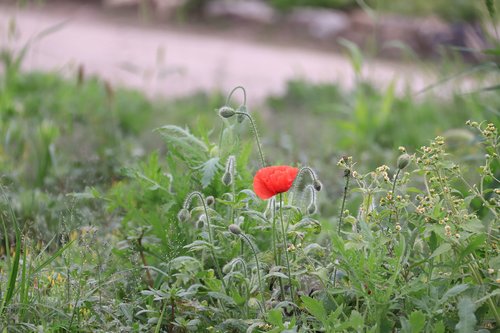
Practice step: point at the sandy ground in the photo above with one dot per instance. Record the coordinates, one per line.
(172, 62)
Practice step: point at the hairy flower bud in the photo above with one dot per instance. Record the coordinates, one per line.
(317, 185)
(311, 209)
(183, 215)
(226, 112)
(403, 161)
(227, 179)
(210, 200)
(233, 228)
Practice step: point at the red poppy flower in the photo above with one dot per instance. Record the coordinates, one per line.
(272, 180)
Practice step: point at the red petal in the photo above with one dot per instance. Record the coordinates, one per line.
(259, 186)
(272, 180)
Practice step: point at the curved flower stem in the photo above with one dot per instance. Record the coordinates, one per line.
(258, 270)
(256, 136)
(228, 99)
(285, 247)
(296, 182)
(210, 237)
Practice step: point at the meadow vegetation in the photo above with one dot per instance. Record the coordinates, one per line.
(122, 214)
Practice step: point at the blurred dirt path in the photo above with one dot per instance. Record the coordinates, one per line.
(169, 62)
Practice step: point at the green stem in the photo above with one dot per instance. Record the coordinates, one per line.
(346, 188)
(285, 248)
(479, 281)
(258, 270)
(256, 136)
(228, 99)
(210, 238)
(394, 196)
(277, 260)
(347, 174)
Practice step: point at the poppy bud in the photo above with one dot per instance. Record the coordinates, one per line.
(241, 117)
(226, 112)
(183, 215)
(311, 209)
(210, 200)
(317, 185)
(227, 179)
(233, 228)
(200, 224)
(403, 161)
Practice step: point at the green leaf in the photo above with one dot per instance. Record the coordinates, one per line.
(315, 308)
(456, 290)
(276, 274)
(417, 321)
(439, 327)
(466, 309)
(209, 170)
(355, 54)
(356, 321)
(475, 226)
(474, 243)
(275, 317)
(441, 250)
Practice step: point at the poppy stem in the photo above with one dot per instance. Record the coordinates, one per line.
(210, 238)
(285, 248)
(277, 262)
(228, 99)
(256, 136)
(263, 307)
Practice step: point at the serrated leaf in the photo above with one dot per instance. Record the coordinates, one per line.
(356, 320)
(417, 321)
(209, 170)
(184, 145)
(315, 308)
(466, 309)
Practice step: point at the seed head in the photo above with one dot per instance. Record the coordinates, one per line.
(234, 229)
(226, 112)
(183, 215)
(403, 161)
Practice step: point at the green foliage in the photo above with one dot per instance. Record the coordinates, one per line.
(91, 239)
